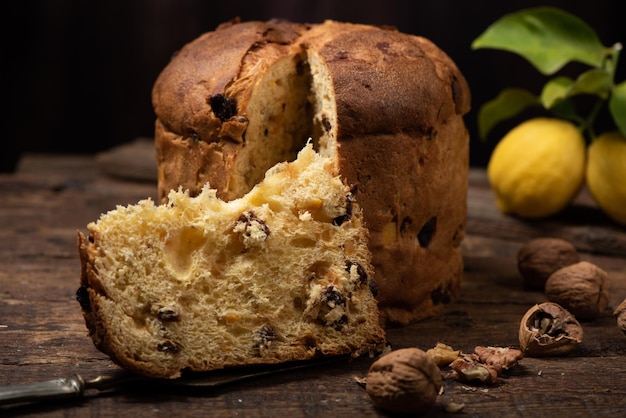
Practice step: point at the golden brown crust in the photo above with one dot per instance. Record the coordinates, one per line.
(400, 138)
(182, 98)
(86, 294)
(387, 82)
(194, 162)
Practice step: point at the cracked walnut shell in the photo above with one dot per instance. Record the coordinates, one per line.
(547, 329)
(582, 289)
(405, 381)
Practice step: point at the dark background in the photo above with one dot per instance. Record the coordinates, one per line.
(79, 73)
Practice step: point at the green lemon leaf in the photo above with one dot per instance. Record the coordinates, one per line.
(547, 37)
(508, 103)
(555, 90)
(595, 82)
(617, 106)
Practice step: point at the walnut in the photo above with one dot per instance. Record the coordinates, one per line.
(582, 289)
(541, 257)
(548, 329)
(469, 368)
(443, 354)
(485, 365)
(620, 314)
(500, 358)
(405, 381)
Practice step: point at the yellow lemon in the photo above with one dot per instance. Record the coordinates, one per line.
(538, 167)
(606, 174)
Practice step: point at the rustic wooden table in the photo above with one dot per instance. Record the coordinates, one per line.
(43, 336)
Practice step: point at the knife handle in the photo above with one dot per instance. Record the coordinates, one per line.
(64, 388)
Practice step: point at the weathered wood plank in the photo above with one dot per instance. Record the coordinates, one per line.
(583, 224)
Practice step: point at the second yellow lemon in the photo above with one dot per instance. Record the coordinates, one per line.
(606, 174)
(538, 167)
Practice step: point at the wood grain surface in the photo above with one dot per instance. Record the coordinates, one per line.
(43, 336)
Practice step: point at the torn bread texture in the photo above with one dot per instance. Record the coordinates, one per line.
(280, 274)
(386, 107)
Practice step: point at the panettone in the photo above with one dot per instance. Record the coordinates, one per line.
(386, 107)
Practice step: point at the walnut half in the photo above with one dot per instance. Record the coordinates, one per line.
(548, 329)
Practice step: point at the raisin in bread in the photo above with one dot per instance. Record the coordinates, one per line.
(280, 274)
(385, 106)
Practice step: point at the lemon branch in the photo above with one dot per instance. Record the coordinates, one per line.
(550, 38)
(586, 125)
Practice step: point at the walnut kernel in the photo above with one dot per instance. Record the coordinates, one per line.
(468, 368)
(582, 289)
(443, 354)
(405, 381)
(541, 257)
(547, 330)
(620, 314)
(500, 358)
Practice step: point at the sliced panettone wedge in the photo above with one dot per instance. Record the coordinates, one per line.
(280, 274)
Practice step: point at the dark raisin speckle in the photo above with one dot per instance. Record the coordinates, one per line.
(383, 46)
(431, 134)
(223, 107)
(332, 297)
(263, 337)
(341, 322)
(326, 123)
(82, 296)
(373, 288)
(168, 315)
(248, 224)
(169, 347)
(425, 236)
(405, 225)
(330, 308)
(191, 134)
(360, 271)
(459, 234)
(339, 220)
(439, 296)
(341, 55)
